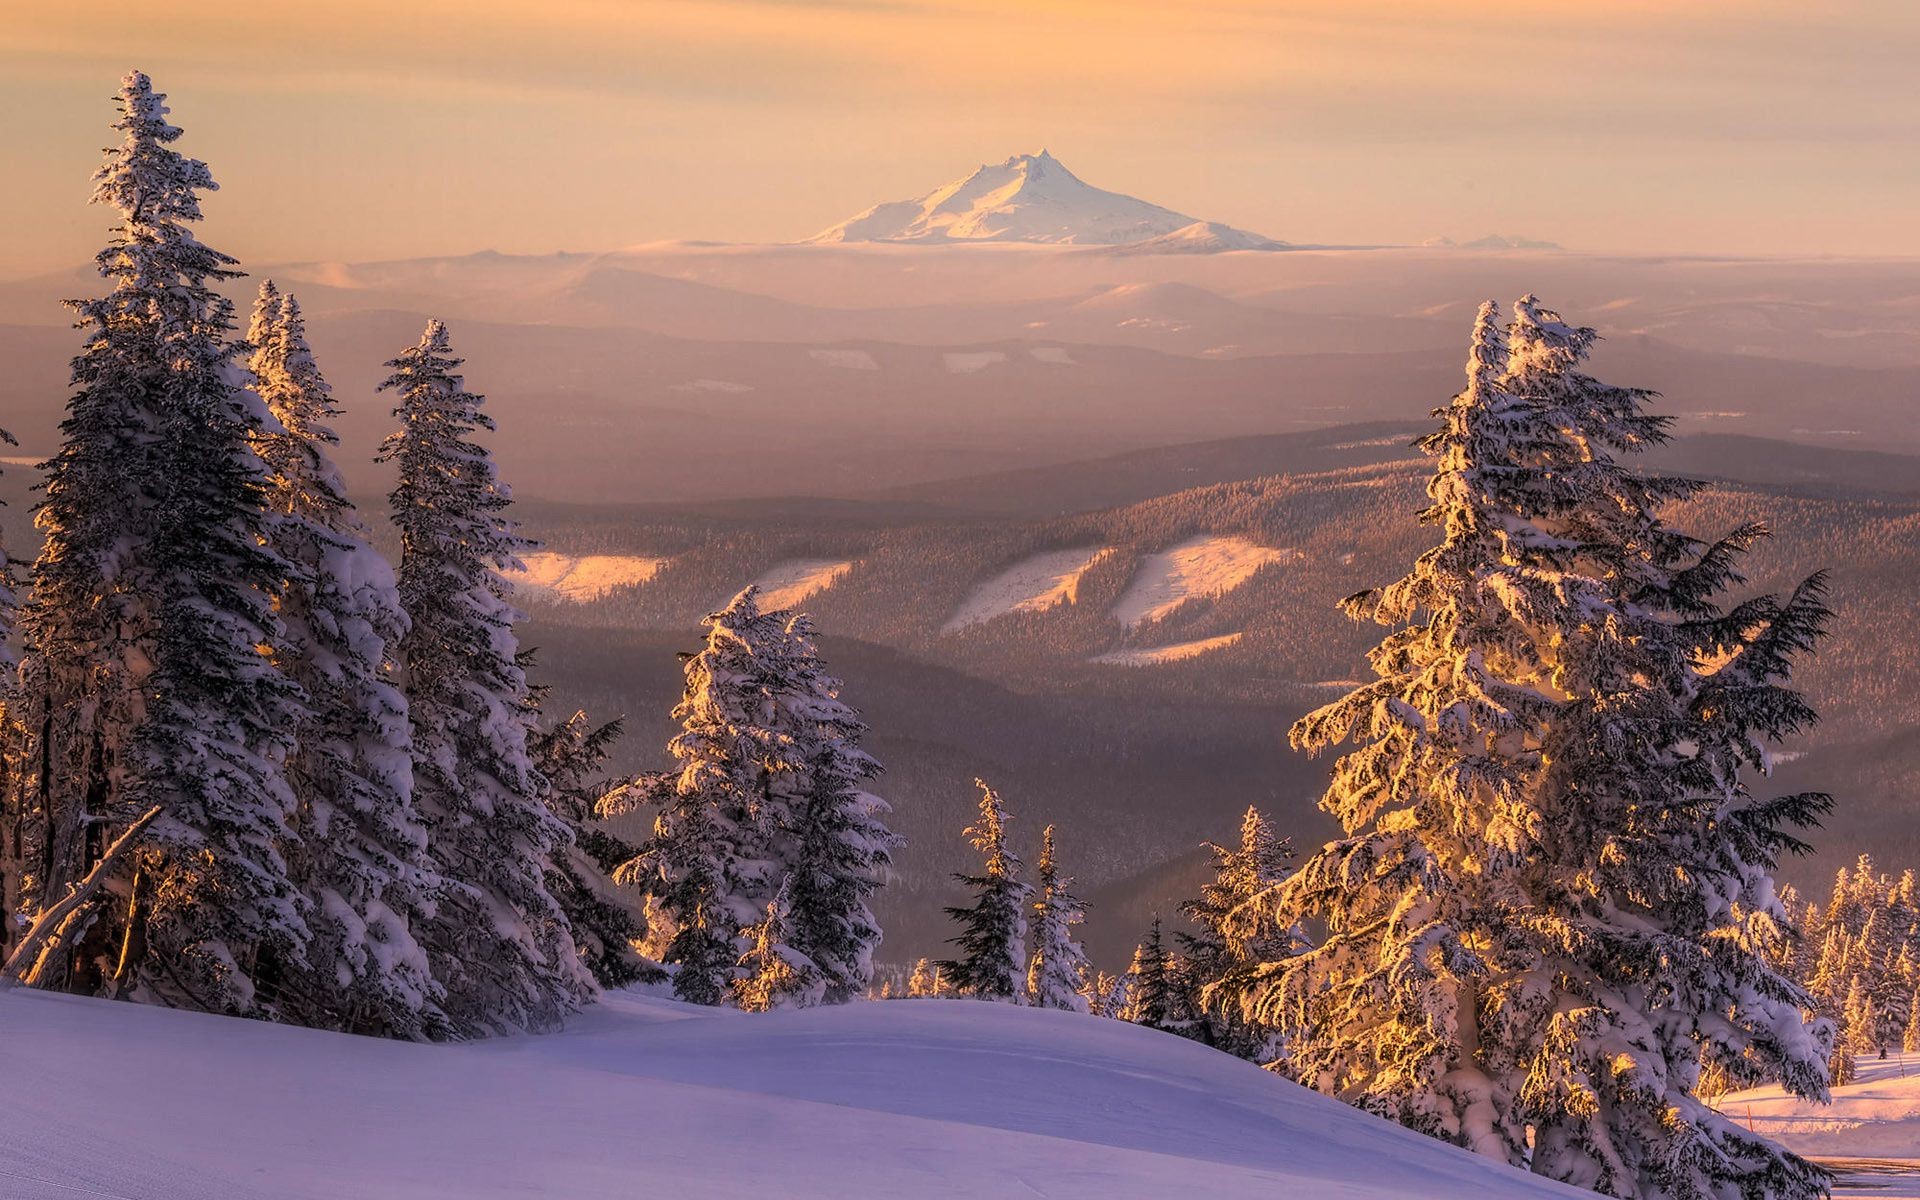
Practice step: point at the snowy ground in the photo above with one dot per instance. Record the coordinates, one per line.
(644, 1097)
(1870, 1133)
(1201, 566)
(581, 577)
(1031, 585)
(1167, 654)
(789, 583)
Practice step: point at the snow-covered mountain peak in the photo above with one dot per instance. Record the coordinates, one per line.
(1035, 198)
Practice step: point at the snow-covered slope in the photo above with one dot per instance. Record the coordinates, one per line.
(550, 575)
(1178, 652)
(1032, 585)
(1033, 198)
(1871, 1130)
(642, 1097)
(789, 583)
(1202, 566)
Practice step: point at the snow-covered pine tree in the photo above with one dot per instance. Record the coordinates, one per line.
(606, 924)
(1150, 983)
(1059, 964)
(1105, 994)
(772, 973)
(993, 929)
(1910, 1042)
(1552, 872)
(708, 869)
(359, 850)
(151, 698)
(498, 940)
(13, 749)
(1235, 932)
(835, 848)
(924, 983)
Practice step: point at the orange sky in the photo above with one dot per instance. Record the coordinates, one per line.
(357, 129)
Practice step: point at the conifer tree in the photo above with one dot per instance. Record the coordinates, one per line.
(1910, 1043)
(13, 747)
(1059, 964)
(832, 841)
(925, 981)
(1150, 983)
(772, 973)
(605, 925)
(1552, 867)
(1104, 993)
(151, 701)
(498, 941)
(993, 929)
(708, 867)
(1235, 932)
(359, 850)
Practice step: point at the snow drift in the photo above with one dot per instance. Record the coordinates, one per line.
(648, 1097)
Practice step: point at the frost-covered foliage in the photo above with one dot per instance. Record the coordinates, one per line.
(1552, 902)
(13, 746)
(1151, 987)
(149, 685)
(993, 929)
(1236, 932)
(359, 850)
(605, 923)
(497, 940)
(772, 973)
(768, 797)
(1859, 956)
(1058, 969)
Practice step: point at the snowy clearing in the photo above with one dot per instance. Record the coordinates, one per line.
(791, 582)
(1208, 565)
(1167, 654)
(645, 1097)
(1052, 354)
(852, 360)
(578, 578)
(1034, 585)
(966, 362)
(1870, 1133)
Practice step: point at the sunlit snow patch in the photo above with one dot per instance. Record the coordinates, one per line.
(966, 362)
(789, 583)
(853, 360)
(1034, 585)
(1208, 565)
(581, 577)
(1167, 654)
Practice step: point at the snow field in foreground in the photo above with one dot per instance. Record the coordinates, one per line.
(581, 577)
(1035, 584)
(646, 1097)
(1208, 565)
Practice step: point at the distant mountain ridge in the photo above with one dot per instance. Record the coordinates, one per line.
(1034, 198)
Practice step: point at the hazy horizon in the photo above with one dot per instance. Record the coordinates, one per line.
(1642, 127)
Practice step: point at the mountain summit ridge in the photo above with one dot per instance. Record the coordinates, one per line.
(1035, 198)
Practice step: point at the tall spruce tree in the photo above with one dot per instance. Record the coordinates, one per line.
(1057, 971)
(1151, 983)
(1549, 906)
(993, 929)
(605, 923)
(498, 940)
(359, 850)
(13, 752)
(152, 702)
(1234, 932)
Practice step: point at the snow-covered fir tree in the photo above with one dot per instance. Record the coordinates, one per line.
(772, 973)
(13, 747)
(924, 981)
(359, 850)
(1151, 983)
(1057, 970)
(1551, 900)
(993, 929)
(155, 707)
(835, 850)
(707, 869)
(498, 940)
(1104, 994)
(605, 922)
(1234, 932)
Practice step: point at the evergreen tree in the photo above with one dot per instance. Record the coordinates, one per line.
(1150, 984)
(993, 929)
(1104, 994)
(925, 981)
(150, 695)
(1552, 867)
(359, 850)
(708, 868)
(772, 973)
(1235, 932)
(1910, 1043)
(1059, 964)
(13, 748)
(499, 940)
(835, 848)
(605, 924)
